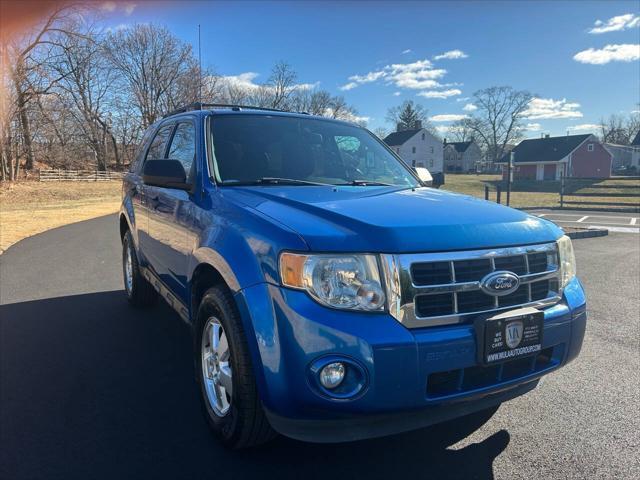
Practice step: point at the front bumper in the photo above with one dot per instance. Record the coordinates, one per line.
(413, 377)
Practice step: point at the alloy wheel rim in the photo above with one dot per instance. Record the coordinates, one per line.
(216, 367)
(128, 270)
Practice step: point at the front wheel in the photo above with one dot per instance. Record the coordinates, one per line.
(224, 372)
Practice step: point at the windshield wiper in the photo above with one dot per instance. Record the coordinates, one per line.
(275, 181)
(365, 183)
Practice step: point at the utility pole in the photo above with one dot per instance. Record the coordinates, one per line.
(199, 67)
(509, 170)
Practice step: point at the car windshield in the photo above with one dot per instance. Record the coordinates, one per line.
(273, 149)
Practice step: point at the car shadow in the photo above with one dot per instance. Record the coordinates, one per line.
(92, 388)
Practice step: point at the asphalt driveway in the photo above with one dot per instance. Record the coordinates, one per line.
(90, 388)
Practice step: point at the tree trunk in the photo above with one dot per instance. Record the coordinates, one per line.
(21, 98)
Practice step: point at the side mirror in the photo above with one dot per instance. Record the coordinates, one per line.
(425, 177)
(165, 173)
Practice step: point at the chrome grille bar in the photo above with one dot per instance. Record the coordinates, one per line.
(402, 290)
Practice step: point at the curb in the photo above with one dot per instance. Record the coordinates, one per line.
(594, 232)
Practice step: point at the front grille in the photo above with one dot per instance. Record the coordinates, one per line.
(452, 382)
(436, 289)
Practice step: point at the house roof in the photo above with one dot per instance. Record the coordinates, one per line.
(460, 147)
(636, 140)
(399, 138)
(550, 149)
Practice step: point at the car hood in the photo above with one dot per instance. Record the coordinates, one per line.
(392, 219)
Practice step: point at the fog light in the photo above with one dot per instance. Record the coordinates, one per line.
(332, 375)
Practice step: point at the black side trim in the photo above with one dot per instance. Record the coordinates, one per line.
(173, 301)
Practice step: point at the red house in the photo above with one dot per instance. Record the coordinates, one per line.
(548, 158)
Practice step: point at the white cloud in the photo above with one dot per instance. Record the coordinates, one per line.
(108, 6)
(469, 107)
(441, 93)
(348, 86)
(417, 75)
(396, 94)
(349, 117)
(445, 130)
(404, 52)
(591, 127)
(533, 127)
(462, 99)
(129, 8)
(246, 81)
(447, 117)
(610, 53)
(544, 108)
(615, 24)
(451, 55)
(112, 6)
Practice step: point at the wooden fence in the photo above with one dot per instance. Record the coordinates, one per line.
(614, 193)
(78, 176)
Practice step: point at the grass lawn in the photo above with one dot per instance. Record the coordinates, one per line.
(31, 207)
(532, 194)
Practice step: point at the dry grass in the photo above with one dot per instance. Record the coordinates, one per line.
(30, 207)
(530, 194)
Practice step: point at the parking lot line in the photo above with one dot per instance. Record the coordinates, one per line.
(615, 229)
(633, 221)
(582, 219)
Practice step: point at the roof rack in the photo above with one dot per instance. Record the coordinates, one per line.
(202, 106)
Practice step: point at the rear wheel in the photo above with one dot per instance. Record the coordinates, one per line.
(140, 292)
(224, 372)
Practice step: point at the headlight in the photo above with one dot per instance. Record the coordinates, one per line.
(339, 281)
(566, 260)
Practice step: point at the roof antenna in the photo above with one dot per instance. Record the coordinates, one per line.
(199, 69)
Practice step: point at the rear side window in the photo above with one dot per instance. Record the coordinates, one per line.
(183, 147)
(159, 143)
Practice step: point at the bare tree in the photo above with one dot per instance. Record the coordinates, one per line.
(282, 84)
(151, 60)
(381, 133)
(497, 121)
(460, 132)
(25, 70)
(620, 129)
(88, 82)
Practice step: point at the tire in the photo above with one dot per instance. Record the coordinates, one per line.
(239, 421)
(140, 292)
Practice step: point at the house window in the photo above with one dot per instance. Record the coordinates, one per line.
(431, 149)
(413, 163)
(431, 163)
(413, 149)
(423, 136)
(398, 150)
(590, 147)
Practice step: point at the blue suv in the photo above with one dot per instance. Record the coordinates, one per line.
(331, 294)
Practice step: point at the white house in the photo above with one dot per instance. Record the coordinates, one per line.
(624, 155)
(418, 148)
(462, 156)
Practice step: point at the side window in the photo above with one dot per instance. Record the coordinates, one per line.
(183, 147)
(590, 147)
(135, 164)
(413, 149)
(159, 143)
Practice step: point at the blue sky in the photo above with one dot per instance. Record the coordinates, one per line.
(579, 58)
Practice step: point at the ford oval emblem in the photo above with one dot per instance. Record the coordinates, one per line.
(500, 283)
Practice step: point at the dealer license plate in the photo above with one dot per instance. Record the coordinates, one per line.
(513, 334)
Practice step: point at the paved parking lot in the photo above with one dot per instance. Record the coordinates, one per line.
(91, 388)
(614, 222)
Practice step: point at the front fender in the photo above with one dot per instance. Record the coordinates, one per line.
(242, 245)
